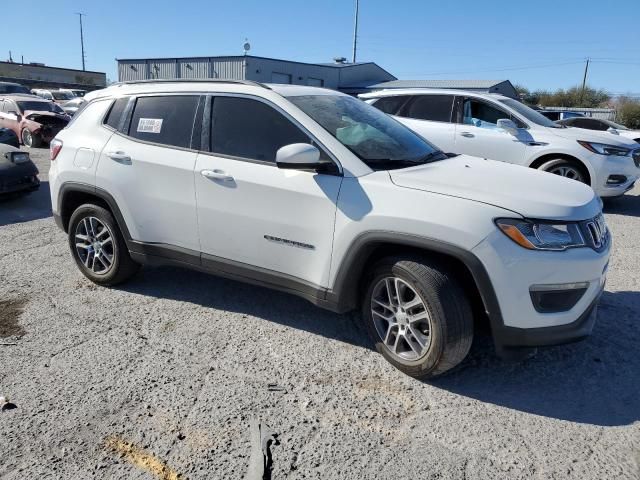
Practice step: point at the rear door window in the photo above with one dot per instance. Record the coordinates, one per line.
(436, 108)
(246, 128)
(167, 120)
(391, 105)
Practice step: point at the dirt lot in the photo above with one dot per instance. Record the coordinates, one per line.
(160, 377)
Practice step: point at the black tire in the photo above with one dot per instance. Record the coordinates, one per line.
(558, 164)
(446, 303)
(122, 267)
(30, 140)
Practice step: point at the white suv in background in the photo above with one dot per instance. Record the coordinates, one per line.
(318, 194)
(500, 128)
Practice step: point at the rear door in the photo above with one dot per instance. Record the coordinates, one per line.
(147, 166)
(477, 132)
(253, 214)
(431, 117)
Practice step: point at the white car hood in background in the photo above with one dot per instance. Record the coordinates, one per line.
(528, 192)
(593, 136)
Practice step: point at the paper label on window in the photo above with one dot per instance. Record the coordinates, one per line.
(150, 125)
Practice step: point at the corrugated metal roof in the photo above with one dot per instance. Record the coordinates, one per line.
(461, 84)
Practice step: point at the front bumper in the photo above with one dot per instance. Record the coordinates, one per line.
(514, 270)
(614, 166)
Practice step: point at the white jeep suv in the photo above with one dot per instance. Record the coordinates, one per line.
(316, 193)
(500, 128)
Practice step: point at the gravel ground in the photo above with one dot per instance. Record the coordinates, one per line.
(159, 378)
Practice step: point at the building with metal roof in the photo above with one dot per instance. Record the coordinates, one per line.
(346, 77)
(37, 75)
(503, 87)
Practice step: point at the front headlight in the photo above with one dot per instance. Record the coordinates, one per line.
(604, 149)
(542, 235)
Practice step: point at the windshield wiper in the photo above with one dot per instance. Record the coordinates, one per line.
(404, 162)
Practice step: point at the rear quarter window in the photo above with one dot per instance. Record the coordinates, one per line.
(390, 105)
(114, 116)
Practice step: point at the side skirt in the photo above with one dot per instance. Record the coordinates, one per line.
(161, 254)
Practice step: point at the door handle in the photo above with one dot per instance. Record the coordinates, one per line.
(466, 134)
(119, 157)
(216, 175)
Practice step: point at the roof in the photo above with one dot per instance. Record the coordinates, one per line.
(28, 65)
(428, 91)
(23, 96)
(455, 84)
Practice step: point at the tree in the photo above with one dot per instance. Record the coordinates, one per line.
(573, 97)
(629, 112)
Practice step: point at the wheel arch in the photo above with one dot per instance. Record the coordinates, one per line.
(73, 194)
(539, 161)
(351, 278)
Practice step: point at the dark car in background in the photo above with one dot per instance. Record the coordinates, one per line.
(9, 137)
(18, 174)
(34, 120)
(559, 115)
(10, 87)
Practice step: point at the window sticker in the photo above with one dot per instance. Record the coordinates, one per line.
(150, 125)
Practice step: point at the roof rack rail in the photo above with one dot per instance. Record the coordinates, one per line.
(193, 80)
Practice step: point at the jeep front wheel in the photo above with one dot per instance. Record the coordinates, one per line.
(418, 316)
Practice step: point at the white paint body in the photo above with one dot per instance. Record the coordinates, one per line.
(165, 198)
(530, 144)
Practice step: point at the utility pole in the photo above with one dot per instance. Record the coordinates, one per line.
(584, 80)
(355, 32)
(81, 38)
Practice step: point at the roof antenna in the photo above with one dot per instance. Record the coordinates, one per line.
(246, 46)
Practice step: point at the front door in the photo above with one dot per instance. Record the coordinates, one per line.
(478, 133)
(253, 214)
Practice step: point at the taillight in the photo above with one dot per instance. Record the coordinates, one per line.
(54, 148)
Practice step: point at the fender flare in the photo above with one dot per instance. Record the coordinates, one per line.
(70, 187)
(344, 292)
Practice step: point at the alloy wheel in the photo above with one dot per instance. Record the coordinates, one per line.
(401, 319)
(27, 139)
(94, 245)
(567, 171)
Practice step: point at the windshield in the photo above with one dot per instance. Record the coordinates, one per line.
(529, 113)
(62, 95)
(39, 107)
(8, 88)
(378, 140)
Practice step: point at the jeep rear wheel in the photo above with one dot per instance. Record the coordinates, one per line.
(98, 247)
(418, 316)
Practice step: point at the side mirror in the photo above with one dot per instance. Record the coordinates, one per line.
(13, 112)
(300, 156)
(508, 126)
(613, 130)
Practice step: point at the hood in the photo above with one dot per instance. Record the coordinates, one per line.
(528, 192)
(593, 136)
(31, 114)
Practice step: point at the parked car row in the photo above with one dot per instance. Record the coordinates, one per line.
(35, 121)
(500, 128)
(319, 194)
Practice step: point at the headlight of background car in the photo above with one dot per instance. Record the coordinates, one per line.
(604, 149)
(542, 236)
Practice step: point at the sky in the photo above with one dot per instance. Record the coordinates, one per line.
(540, 44)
